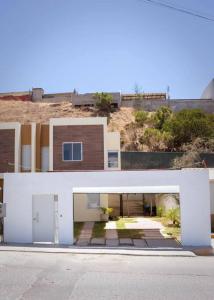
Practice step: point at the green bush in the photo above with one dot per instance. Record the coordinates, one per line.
(103, 102)
(160, 211)
(141, 117)
(162, 115)
(189, 124)
(173, 215)
(106, 210)
(156, 140)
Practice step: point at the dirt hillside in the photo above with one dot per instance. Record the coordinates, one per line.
(26, 112)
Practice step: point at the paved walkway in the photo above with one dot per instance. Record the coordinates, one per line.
(85, 235)
(144, 223)
(152, 235)
(111, 230)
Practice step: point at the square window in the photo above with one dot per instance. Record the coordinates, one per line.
(72, 151)
(68, 151)
(113, 159)
(77, 149)
(93, 201)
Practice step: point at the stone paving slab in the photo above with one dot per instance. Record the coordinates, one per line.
(98, 241)
(140, 243)
(150, 232)
(111, 225)
(83, 242)
(161, 243)
(125, 241)
(88, 225)
(111, 234)
(144, 223)
(112, 242)
(86, 231)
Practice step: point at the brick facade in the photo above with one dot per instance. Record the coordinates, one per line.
(92, 138)
(7, 150)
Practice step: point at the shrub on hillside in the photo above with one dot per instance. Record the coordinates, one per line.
(103, 102)
(162, 115)
(187, 125)
(141, 117)
(156, 140)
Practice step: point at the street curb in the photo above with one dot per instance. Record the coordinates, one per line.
(108, 251)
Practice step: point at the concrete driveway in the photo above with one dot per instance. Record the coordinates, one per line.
(36, 276)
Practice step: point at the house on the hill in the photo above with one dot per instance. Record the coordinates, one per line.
(64, 171)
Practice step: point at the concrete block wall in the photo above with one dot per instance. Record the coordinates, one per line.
(88, 99)
(175, 104)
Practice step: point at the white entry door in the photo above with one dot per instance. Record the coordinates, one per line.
(43, 212)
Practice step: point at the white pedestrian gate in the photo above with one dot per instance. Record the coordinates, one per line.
(44, 218)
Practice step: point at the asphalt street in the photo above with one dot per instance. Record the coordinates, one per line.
(82, 276)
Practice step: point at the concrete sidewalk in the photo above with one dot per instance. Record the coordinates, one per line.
(97, 250)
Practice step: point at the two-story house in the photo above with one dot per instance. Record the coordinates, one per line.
(65, 144)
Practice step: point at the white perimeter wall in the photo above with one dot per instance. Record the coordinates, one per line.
(19, 188)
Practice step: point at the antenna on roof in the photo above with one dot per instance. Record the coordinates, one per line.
(167, 92)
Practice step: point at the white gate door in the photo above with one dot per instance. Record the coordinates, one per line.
(43, 212)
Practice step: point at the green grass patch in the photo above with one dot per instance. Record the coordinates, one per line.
(99, 230)
(169, 229)
(163, 220)
(77, 228)
(120, 224)
(174, 232)
(130, 233)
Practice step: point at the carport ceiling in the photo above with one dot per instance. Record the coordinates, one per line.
(128, 190)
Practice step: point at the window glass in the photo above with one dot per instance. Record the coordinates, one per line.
(68, 152)
(93, 200)
(72, 151)
(113, 159)
(77, 151)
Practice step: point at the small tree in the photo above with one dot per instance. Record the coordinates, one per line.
(104, 102)
(141, 117)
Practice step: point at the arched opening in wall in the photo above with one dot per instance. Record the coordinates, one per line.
(147, 220)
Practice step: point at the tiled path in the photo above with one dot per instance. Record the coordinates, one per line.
(85, 235)
(151, 229)
(111, 231)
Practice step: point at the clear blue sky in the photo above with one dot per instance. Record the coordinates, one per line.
(105, 45)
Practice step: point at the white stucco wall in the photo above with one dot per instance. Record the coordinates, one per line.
(113, 144)
(19, 188)
(211, 178)
(212, 196)
(81, 211)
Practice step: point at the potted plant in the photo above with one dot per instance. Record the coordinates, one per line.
(105, 213)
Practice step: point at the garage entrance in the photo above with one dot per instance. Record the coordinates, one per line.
(145, 220)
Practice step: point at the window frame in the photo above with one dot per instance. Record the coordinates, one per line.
(113, 151)
(88, 204)
(72, 160)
